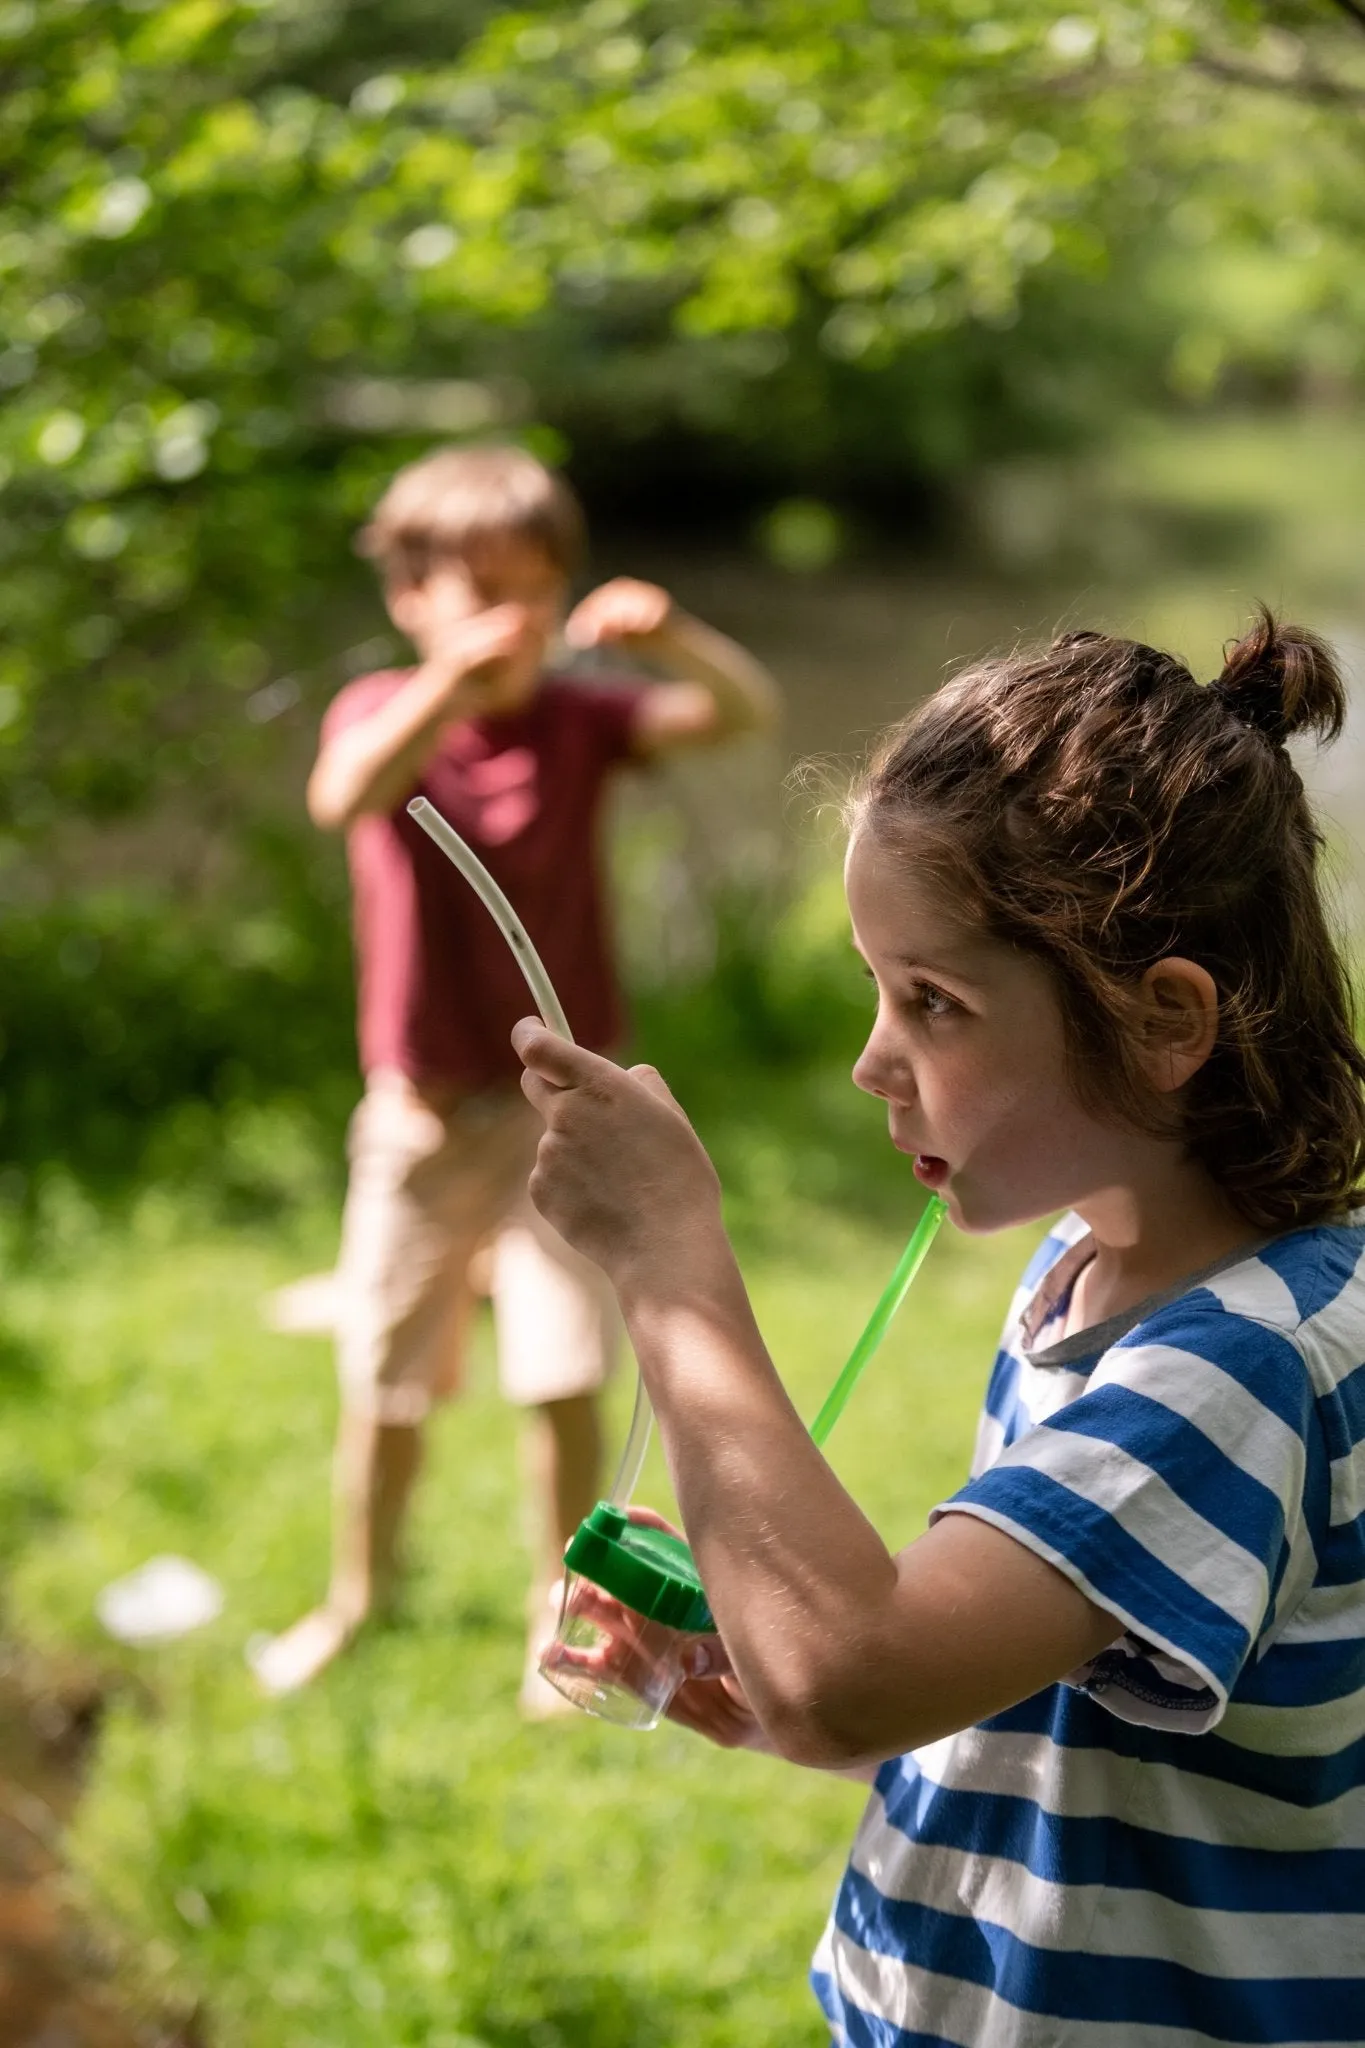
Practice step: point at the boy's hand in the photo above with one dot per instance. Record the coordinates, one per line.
(620, 1172)
(482, 653)
(477, 660)
(624, 612)
(716, 688)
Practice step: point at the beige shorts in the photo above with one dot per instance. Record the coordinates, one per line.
(426, 1191)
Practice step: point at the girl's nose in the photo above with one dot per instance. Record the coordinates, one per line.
(876, 1072)
(867, 1077)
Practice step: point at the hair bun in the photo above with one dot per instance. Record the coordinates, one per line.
(1283, 680)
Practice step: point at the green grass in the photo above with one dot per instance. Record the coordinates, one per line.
(393, 1858)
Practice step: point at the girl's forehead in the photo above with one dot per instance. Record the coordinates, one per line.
(904, 907)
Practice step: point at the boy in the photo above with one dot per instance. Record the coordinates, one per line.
(476, 548)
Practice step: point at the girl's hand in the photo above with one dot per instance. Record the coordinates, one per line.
(710, 1701)
(624, 611)
(620, 1172)
(715, 1705)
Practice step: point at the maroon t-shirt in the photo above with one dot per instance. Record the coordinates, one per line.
(439, 989)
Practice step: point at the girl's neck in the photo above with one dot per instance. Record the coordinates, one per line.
(1149, 1235)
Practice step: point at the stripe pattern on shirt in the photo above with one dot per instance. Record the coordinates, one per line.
(1170, 1847)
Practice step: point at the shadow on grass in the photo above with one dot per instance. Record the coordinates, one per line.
(581, 2012)
(23, 1374)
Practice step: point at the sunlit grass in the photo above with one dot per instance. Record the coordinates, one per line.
(393, 1857)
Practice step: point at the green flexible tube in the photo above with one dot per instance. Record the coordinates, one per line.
(893, 1294)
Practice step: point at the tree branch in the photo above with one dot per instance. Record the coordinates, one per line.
(1304, 85)
(1354, 10)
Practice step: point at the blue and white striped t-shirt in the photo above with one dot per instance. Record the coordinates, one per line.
(1169, 1848)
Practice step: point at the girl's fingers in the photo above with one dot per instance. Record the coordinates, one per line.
(707, 1658)
(650, 1518)
(698, 1721)
(602, 1610)
(539, 1093)
(596, 1659)
(708, 1710)
(552, 1058)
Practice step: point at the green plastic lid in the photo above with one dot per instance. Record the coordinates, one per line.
(648, 1569)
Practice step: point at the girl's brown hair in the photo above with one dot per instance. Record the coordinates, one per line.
(1094, 805)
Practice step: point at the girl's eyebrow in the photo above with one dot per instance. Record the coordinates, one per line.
(911, 963)
(959, 977)
(924, 966)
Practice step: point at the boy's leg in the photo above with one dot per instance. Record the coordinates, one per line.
(558, 1329)
(416, 1207)
(373, 1469)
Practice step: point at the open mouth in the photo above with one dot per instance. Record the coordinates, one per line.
(930, 1169)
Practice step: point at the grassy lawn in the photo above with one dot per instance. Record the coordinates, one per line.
(393, 1858)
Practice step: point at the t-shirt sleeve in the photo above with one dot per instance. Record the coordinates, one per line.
(357, 701)
(1175, 1491)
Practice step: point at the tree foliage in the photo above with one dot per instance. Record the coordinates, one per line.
(254, 251)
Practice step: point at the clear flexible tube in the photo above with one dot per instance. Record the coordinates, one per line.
(499, 909)
(552, 1015)
(633, 1451)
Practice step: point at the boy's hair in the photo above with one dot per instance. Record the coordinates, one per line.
(449, 504)
(1092, 804)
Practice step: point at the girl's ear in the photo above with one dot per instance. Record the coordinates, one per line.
(1177, 1022)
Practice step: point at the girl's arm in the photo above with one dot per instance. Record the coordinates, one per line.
(846, 1653)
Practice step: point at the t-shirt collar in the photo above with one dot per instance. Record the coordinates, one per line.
(1054, 1291)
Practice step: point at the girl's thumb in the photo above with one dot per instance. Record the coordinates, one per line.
(706, 1658)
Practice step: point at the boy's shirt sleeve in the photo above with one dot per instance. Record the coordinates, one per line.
(1177, 1491)
(606, 710)
(358, 700)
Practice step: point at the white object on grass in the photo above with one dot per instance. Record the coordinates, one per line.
(165, 1598)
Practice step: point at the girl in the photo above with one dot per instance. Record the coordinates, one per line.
(1114, 1699)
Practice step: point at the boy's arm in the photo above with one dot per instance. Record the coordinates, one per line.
(373, 765)
(724, 690)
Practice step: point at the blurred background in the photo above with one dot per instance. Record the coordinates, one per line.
(883, 332)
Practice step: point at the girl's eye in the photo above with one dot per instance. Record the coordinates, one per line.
(925, 996)
(931, 1000)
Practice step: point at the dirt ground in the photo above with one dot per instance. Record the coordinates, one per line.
(55, 1989)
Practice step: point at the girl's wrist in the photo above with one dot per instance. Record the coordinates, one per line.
(695, 1270)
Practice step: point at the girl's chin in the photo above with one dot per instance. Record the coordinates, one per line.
(972, 1211)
